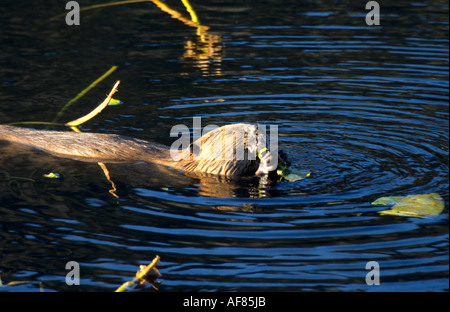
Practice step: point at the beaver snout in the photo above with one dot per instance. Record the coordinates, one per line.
(268, 162)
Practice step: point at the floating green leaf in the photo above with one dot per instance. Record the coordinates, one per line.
(115, 102)
(52, 175)
(412, 205)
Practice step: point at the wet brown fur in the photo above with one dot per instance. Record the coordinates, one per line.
(218, 147)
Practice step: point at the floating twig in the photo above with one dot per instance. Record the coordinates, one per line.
(15, 283)
(146, 274)
(86, 90)
(191, 11)
(97, 110)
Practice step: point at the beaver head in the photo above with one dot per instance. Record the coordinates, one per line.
(231, 150)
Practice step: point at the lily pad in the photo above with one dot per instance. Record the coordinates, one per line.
(412, 205)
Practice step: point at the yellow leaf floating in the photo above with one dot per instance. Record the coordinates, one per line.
(52, 175)
(412, 205)
(115, 102)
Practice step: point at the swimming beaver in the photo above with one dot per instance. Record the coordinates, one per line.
(214, 146)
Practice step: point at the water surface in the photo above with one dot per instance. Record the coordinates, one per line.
(364, 108)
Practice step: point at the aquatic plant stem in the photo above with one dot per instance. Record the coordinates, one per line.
(86, 90)
(191, 11)
(97, 110)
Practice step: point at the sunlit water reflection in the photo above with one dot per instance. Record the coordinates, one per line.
(365, 109)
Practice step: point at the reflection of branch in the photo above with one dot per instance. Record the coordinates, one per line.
(106, 172)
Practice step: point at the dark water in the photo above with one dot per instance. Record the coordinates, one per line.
(365, 108)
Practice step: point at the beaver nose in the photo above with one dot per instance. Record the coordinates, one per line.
(268, 162)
